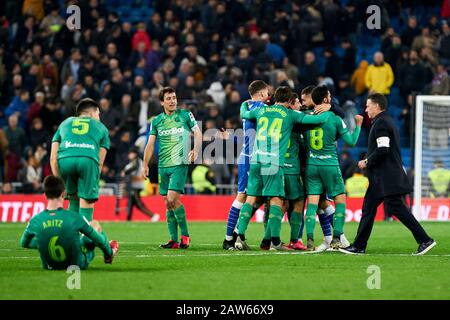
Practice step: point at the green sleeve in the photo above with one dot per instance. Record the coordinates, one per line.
(28, 239)
(340, 126)
(351, 138)
(153, 130)
(190, 119)
(245, 113)
(57, 136)
(99, 240)
(315, 119)
(105, 142)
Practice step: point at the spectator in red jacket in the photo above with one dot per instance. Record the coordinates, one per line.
(141, 36)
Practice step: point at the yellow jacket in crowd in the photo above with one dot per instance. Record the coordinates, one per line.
(379, 79)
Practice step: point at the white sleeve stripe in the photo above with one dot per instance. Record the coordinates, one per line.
(383, 142)
(194, 127)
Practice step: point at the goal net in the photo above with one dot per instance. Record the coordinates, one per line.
(432, 158)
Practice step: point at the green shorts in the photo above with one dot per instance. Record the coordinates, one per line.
(293, 187)
(81, 176)
(265, 180)
(172, 178)
(328, 179)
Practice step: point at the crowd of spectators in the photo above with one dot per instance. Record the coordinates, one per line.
(209, 51)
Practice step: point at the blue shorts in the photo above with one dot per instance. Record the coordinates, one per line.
(243, 169)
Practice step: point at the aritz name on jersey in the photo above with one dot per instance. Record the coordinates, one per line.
(69, 144)
(171, 131)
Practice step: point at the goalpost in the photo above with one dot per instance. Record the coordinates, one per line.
(432, 149)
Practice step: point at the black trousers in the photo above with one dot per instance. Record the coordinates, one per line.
(134, 200)
(396, 206)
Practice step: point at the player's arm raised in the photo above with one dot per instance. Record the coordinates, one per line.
(148, 153)
(54, 158)
(352, 138)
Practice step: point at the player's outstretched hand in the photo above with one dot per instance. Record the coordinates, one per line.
(359, 120)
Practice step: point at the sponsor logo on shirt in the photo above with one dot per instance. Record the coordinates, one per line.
(69, 144)
(322, 157)
(171, 131)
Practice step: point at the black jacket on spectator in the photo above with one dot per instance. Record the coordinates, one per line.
(384, 164)
(411, 77)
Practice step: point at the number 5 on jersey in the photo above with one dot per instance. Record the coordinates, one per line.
(80, 126)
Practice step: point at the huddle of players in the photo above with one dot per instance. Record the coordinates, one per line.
(270, 168)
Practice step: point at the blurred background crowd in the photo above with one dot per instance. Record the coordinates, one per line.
(209, 51)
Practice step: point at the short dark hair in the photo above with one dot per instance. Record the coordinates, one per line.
(256, 86)
(282, 94)
(53, 187)
(318, 94)
(308, 90)
(163, 92)
(379, 99)
(293, 97)
(86, 104)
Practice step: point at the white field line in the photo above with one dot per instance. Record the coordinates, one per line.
(242, 254)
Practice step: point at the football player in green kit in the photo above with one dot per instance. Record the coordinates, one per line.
(322, 166)
(55, 233)
(78, 151)
(266, 177)
(172, 128)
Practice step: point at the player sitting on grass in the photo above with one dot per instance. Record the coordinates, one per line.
(78, 151)
(55, 232)
(173, 129)
(273, 130)
(322, 167)
(259, 93)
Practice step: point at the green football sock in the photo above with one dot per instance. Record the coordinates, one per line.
(180, 215)
(296, 222)
(172, 225)
(339, 220)
(244, 218)
(87, 213)
(275, 217)
(74, 205)
(310, 220)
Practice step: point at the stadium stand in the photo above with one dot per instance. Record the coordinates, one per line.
(125, 46)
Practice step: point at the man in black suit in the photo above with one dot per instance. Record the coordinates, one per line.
(387, 179)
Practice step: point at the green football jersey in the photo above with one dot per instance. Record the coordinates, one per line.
(56, 234)
(291, 158)
(81, 137)
(173, 135)
(273, 130)
(321, 141)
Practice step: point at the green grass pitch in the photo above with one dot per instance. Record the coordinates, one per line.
(205, 271)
